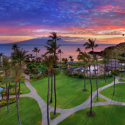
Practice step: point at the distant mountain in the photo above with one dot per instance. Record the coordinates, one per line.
(42, 41)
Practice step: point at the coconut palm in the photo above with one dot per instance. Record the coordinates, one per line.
(89, 61)
(90, 44)
(15, 47)
(36, 50)
(71, 58)
(6, 67)
(19, 55)
(31, 56)
(48, 63)
(78, 50)
(51, 49)
(16, 76)
(65, 60)
(115, 54)
(81, 57)
(60, 52)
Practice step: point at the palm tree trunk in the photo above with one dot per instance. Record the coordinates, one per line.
(124, 65)
(55, 80)
(48, 100)
(91, 93)
(19, 123)
(96, 85)
(51, 86)
(104, 72)
(97, 68)
(55, 93)
(60, 58)
(8, 90)
(114, 77)
(7, 99)
(19, 91)
(111, 64)
(84, 80)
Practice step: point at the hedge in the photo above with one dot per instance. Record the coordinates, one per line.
(3, 102)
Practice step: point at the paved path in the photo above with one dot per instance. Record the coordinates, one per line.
(67, 112)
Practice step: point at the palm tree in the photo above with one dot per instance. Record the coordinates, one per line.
(95, 62)
(19, 55)
(51, 49)
(31, 56)
(71, 58)
(16, 75)
(60, 52)
(65, 60)
(115, 54)
(78, 50)
(89, 60)
(15, 47)
(81, 56)
(1, 54)
(5, 63)
(36, 50)
(48, 63)
(90, 44)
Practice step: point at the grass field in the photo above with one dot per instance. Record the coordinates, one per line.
(69, 90)
(99, 99)
(105, 115)
(30, 113)
(119, 92)
(121, 80)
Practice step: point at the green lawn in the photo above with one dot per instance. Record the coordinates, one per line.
(99, 99)
(24, 88)
(105, 115)
(30, 113)
(69, 90)
(121, 80)
(119, 92)
(54, 116)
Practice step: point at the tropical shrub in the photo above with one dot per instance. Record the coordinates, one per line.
(1, 78)
(4, 101)
(93, 76)
(56, 71)
(67, 71)
(75, 74)
(100, 76)
(80, 76)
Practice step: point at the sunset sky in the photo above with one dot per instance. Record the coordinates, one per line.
(73, 20)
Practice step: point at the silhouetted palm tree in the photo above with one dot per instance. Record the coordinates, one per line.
(81, 56)
(15, 47)
(48, 63)
(90, 44)
(60, 52)
(78, 50)
(36, 50)
(51, 49)
(89, 60)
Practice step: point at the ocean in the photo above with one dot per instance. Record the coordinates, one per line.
(67, 49)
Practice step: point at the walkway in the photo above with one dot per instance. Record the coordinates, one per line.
(67, 112)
